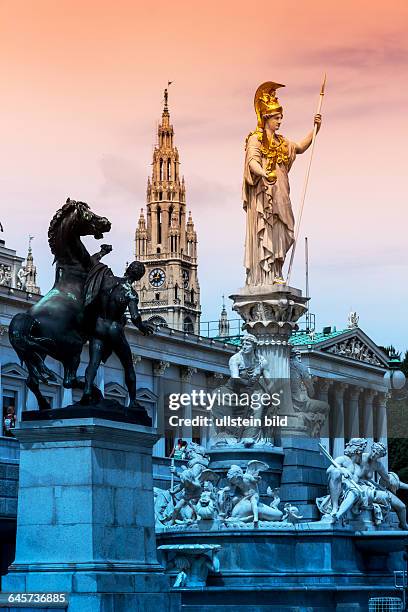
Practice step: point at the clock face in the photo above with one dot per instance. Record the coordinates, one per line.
(157, 277)
(186, 278)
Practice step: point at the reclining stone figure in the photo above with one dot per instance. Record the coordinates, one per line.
(246, 505)
(352, 485)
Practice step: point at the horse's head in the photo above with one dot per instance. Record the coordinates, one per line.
(73, 220)
(90, 224)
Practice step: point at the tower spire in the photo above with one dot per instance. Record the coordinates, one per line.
(166, 242)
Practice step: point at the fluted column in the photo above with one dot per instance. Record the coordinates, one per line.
(159, 369)
(353, 412)
(186, 377)
(368, 414)
(380, 430)
(338, 419)
(323, 395)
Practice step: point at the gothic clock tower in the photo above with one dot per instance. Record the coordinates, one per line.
(166, 242)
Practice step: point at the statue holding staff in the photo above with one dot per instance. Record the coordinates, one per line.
(266, 200)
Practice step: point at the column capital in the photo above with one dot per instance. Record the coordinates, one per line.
(370, 394)
(340, 388)
(382, 397)
(216, 378)
(187, 373)
(160, 367)
(136, 359)
(355, 391)
(3, 329)
(324, 384)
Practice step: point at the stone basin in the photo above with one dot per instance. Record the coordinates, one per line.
(381, 542)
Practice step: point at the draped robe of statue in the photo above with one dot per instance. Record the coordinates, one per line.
(270, 221)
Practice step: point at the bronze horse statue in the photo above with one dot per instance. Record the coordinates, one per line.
(56, 325)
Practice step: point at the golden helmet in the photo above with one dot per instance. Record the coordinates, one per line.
(266, 102)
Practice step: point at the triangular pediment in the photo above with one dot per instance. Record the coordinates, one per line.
(145, 395)
(355, 345)
(115, 389)
(14, 369)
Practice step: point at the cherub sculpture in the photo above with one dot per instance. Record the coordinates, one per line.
(246, 505)
(195, 479)
(205, 508)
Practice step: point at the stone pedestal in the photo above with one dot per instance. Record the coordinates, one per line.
(85, 523)
(271, 312)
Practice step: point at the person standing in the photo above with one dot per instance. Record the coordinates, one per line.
(9, 422)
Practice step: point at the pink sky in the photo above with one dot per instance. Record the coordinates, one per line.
(81, 91)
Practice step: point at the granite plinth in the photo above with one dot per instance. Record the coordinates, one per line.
(304, 475)
(85, 522)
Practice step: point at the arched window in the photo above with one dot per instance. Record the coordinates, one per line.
(159, 227)
(169, 169)
(161, 169)
(188, 325)
(176, 292)
(192, 295)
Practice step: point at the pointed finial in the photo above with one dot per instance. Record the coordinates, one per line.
(166, 96)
